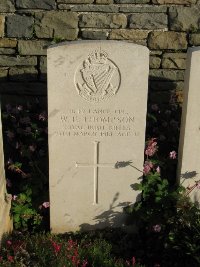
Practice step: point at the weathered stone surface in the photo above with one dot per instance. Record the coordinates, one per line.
(5, 199)
(132, 1)
(75, 1)
(148, 21)
(142, 9)
(35, 4)
(167, 40)
(109, 129)
(7, 51)
(33, 47)
(154, 62)
(19, 26)
(174, 61)
(155, 53)
(3, 74)
(95, 8)
(56, 24)
(165, 85)
(184, 18)
(17, 61)
(7, 5)
(188, 155)
(23, 74)
(96, 20)
(95, 34)
(127, 34)
(195, 39)
(8, 42)
(43, 68)
(104, 2)
(176, 2)
(165, 74)
(2, 21)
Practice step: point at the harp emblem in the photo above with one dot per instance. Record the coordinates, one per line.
(98, 78)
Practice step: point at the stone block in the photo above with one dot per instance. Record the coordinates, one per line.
(142, 9)
(94, 8)
(184, 18)
(174, 61)
(43, 68)
(104, 2)
(167, 40)
(19, 26)
(62, 24)
(36, 47)
(128, 34)
(3, 74)
(75, 1)
(174, 2)
(7, 5)
(35, 4)
(194, 39)
(17, 61)
(148, 21)
(2, 22)
(23, 74)
(5, 42)
(96, 20)
(7, 51)
(95, 34)
(132, 1)
(166, 74)
(154, 62)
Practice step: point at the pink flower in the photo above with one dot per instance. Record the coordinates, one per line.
(157, 228)
(148, 165)
(9, 242)
(85, 263)
(11, 258)
(158, 169)
(20, 107)
(32, 148)
(151, 147)
(133, 261)
(43, 116)
(172, 154)
(46, 205)
(14, 197)
(56, 247)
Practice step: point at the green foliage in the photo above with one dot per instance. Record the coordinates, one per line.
(26, 158)
(48, 250)
(24, 215)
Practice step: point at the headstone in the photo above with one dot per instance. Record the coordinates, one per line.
(5, 199)
(189, 156)
(97, 97)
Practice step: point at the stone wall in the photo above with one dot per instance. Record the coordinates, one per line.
(28, 27)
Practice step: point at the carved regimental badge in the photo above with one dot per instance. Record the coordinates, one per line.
(98, 78)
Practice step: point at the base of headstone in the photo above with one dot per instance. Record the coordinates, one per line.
(6, 220)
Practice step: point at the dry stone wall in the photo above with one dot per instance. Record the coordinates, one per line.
(28, 27)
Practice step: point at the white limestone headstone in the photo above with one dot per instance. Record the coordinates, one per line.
(5, 199)
(189, 156)
(97, 98)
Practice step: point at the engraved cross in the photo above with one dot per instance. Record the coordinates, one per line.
(96, 165)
